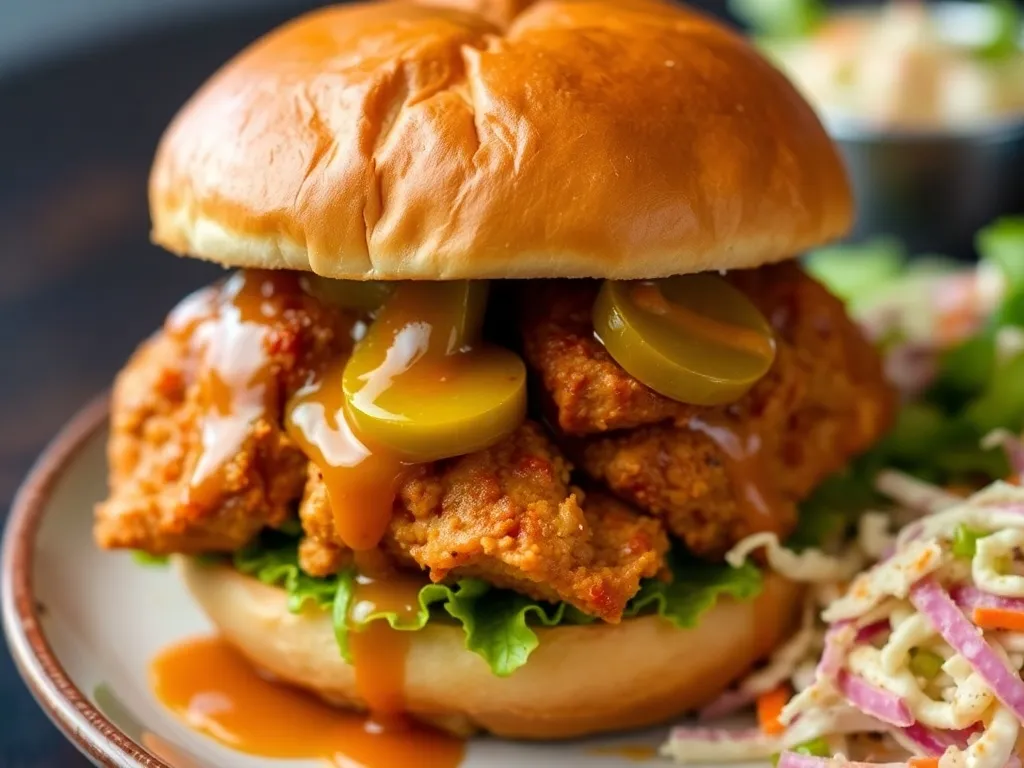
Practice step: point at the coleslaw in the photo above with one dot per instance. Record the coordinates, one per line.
(911, 644)
(902, 65)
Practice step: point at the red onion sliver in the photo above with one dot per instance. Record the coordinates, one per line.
(948, 620)
(871, 631)
(794, 760)
(911, 367)
(1015, 454)
(964, 734)
(1012, 445)
(1015, 509)
(727, 703)
(912, 532)
(930, 742)
(971, 597)
(834, 654)
(873, 701)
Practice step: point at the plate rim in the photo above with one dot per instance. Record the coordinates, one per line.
(81, 722)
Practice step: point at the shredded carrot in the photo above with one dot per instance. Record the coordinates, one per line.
(998, 618)
(923, 762)
(1015, 479)
(769, 707)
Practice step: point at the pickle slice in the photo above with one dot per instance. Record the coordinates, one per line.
(367, 295)
(692, 338)
(421, 385)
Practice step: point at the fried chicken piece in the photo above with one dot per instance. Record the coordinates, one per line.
(506, 514)
(588, 390)
(154, 447)
(157, 436)
(717, 474)
(509, 516)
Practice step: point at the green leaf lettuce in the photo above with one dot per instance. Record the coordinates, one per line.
(499, 625)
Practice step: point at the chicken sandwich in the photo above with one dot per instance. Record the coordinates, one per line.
(515, 352)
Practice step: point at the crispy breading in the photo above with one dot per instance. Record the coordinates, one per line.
(156, 440)
(508, 515)
(589, 391)
(824, 401)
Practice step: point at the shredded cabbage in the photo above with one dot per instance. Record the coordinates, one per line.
(811, 565)
(969, 714)
(932, 581)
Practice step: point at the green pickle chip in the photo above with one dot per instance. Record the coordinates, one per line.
(422, 385)
(692, 338)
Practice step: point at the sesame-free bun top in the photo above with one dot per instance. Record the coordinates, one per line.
(493, 138)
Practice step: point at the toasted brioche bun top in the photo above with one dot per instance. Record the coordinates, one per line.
(495, 138)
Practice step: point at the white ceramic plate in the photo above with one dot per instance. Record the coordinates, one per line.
(83, 625)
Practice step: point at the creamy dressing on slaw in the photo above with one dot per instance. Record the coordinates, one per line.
(959, 715)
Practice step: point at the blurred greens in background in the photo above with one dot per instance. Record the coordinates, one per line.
(770, 19)
(978, 382)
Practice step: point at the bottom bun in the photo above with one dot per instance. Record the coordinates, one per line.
(580, 680)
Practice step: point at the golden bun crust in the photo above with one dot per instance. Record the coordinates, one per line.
(498, 138)
(649, 671)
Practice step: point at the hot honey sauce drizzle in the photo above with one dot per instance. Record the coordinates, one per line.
(425, 389)
(361, 481)
(403, 349)
(649, 297)
(361, 477)
(744, 463)
(363, 423)
(380, 652)
(229, 330)
(213, 689)
(361, 484)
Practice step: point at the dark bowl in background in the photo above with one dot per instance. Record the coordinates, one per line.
(934, 189)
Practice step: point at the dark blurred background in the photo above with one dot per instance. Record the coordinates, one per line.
(86, 87)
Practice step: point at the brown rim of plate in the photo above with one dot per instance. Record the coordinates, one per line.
(70, 710)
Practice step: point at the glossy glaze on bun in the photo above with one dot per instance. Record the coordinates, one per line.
(496, 138)
(580, 680)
